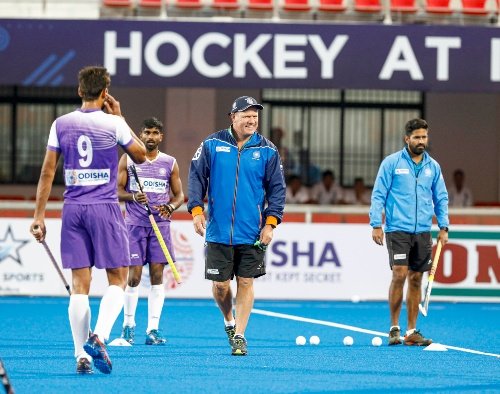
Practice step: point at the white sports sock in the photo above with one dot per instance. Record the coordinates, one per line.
(109, 310)
(130, 306)
(409, 332)
(79, 320)
(230, 323)
(156, 299)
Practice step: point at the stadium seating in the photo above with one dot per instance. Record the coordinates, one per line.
(193, 4)
(296, 5)
(260, 9)
(438, 7)
(331, 5)
(116, 8)
(295, 9)
(117, 3)
(150, 3)
(403, 6)
(369, 6)
(149, 7)
(226, 4)
(474, 7)
(260, 5)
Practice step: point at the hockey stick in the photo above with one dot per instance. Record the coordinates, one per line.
(161, 241)
(56, 266)
(5, 379)
(424, 307)
(54, 263)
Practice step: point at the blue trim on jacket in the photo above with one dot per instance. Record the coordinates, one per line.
(410, 201)
(239, 183)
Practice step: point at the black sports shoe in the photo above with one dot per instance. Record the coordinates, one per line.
(230, 331)
(395, 336)
(416, 339)
(97, 350)
(83, 366)
(239, 346)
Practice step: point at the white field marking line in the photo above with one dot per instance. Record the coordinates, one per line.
(320, 322)
(354, 328)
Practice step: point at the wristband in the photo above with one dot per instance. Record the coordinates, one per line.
(272, 221)
(197, 211)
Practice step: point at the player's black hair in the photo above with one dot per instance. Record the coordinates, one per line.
(92, 80)
(415, 124)
(152, 123)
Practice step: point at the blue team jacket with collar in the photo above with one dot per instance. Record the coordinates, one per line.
(239, 183)
(410, 201)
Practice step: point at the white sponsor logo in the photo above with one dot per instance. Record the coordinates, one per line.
(256, 155)
(197, 154)
(86, 177)
(162, 171)
(150, 185)
(400, 256)
(402, 171)
(428, 172)
(134, 256)
(223, 149)
(212, 271)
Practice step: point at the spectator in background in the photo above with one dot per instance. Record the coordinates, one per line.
(359, 194)
(296, 192)
(458, 194)
(326, 191)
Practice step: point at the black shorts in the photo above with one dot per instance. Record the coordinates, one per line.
(411, 250)
(222, 262)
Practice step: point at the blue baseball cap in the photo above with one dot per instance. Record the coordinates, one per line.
(243, 103)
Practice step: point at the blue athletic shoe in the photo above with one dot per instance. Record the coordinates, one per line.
(154, 337)
(97, 350)
(128, 333)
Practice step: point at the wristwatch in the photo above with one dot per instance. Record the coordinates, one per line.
(444, 228)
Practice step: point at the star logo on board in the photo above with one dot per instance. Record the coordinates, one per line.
(9, 246)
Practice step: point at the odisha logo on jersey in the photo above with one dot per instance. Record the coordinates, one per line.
(154, 183)
(93, 175)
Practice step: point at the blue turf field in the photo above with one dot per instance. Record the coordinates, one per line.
(37, 349)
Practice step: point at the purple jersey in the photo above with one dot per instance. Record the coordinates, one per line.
(155, 179)
(88, 142)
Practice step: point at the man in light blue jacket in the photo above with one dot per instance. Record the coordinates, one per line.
(411, 189)
(241, 172)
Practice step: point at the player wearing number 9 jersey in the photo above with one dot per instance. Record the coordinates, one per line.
(93, 230)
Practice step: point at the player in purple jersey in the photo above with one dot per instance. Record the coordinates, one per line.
(159, 176)
(93, 232)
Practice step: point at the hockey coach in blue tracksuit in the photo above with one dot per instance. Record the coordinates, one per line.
(411, 189)
(243, 175)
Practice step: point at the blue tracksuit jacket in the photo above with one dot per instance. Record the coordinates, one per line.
(239, 183)
(409, 200)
